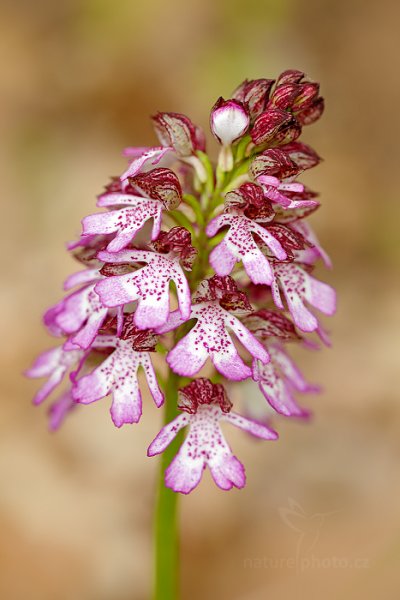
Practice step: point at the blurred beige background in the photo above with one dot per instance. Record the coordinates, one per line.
(78, 81)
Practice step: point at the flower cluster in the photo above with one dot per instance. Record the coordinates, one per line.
(210, 265)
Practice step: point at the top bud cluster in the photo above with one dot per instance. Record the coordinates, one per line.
(229, 246)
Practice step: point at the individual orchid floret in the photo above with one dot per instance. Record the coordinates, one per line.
(53, 364)
(124, 223)
(229, 121)
(239, 244)
(298, 286)
(204, 406)
(162, 191)
(118, 375)
(81, 314)
(275, 127)
(254, 94)
(209, 338)
(278, 379)
(150, 286)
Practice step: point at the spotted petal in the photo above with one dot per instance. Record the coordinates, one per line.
(149, 286)
(239, 245)
(125, 222)
(118, 375)
(205, 445)
(210, 338)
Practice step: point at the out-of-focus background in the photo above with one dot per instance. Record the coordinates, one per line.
(320, 516)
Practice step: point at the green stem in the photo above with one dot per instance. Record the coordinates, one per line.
(166, 584)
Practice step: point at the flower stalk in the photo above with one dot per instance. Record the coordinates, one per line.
(166, 520)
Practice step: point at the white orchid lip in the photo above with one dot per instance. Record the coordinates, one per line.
(229, 121)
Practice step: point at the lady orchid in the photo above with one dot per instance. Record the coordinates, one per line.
(208, 264)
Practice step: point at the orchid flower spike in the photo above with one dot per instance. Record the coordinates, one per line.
(195, 276)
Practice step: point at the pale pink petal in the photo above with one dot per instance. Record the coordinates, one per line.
(228, 362)
(256, 429)
(185, 471)
(148, 159)
(273, 244)
(151, 379)
(53, 381)
(297, 286)
(149, 286)
(85, 336)
(308, 233)
(125, 223)
(96, 385)
(290, 370)
(222, 260)
(247, 339)
(276, 391)
(81, 277)
(322, 296)
(126, 407)
(174, 321)
(227, 471)
(167, 434)
(188, 356)
(118, 199)
(53, 364)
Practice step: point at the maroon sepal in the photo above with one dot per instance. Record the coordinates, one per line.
(270, 323)
(159, 184)
(255, 94)
(275, 127)
(202, 391)
(179, 241)
(275, 162)
(223, 289)
(178, 131)
(302, 155)
(249, 198)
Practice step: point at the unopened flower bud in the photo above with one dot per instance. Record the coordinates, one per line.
(254, 94)
(275, 127)
(229, 120)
